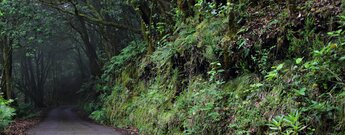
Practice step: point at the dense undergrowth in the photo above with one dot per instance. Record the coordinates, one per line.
(6, 113)
(239, 69)
(24, 114)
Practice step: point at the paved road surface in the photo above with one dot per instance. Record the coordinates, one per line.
(63, 121)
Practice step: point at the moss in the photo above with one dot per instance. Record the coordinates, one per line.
(170, 92)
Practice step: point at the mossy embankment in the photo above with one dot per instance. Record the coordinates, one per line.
(244, 68)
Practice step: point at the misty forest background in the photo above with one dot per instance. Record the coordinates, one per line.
(178, 66)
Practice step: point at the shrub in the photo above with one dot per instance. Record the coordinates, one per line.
(6, 113)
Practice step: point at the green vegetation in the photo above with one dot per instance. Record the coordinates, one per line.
(179, 66)
(242, 68)
(6, 113)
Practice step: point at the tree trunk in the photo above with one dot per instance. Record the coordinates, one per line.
(95, 66)
(6, 82)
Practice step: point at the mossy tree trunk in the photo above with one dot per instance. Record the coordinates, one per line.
(186, 7)
(147, 10)
(95, 66)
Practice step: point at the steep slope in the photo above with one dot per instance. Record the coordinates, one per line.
(244, 68)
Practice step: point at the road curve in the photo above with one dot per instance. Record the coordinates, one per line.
(63, 121)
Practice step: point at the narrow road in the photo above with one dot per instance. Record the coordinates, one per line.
(63, 121)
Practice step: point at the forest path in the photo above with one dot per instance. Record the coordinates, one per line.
(64, 121)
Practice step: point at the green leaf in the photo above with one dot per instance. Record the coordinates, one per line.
(299, 60)
(280, 66)
(257, 85)
(342, 58)
(271, 75)
(300, 92)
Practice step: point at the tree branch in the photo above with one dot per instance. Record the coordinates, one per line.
(97, 21)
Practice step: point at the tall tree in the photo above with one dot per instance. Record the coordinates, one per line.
(6, 63)
(87, 17)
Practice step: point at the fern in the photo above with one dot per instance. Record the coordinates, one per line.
(6, 113)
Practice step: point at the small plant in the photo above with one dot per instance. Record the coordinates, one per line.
(287, 125)
(214, 73)
(98, 116)
(274, 74)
